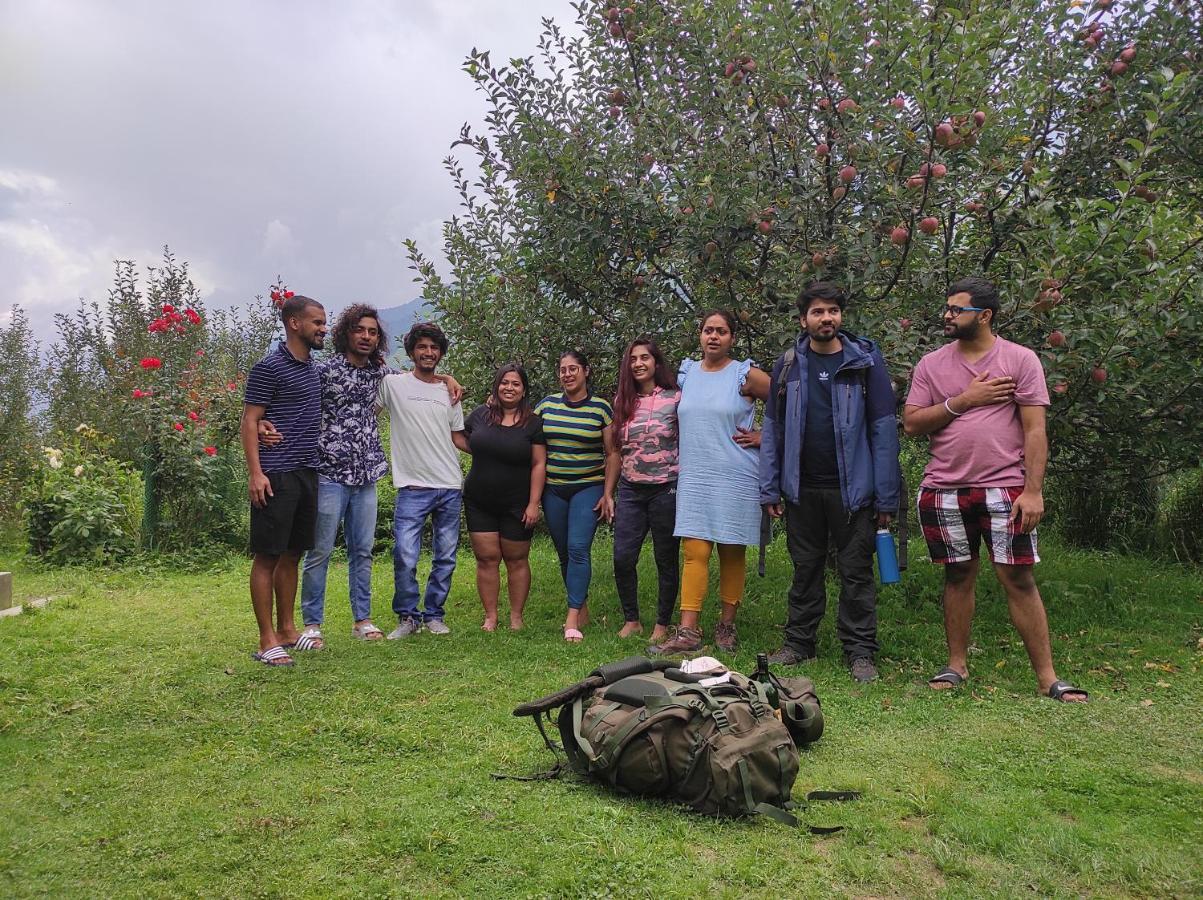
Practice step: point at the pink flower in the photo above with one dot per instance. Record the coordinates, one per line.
(168, 308)
(212, 451)
(194, 417)
(231, 386)
(139, 393)
(193, 316)
(151, 362)
(200, 352)
(178, 426)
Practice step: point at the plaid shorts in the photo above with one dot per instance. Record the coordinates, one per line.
(955, 520)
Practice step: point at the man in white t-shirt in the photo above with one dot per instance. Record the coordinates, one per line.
(425, 430)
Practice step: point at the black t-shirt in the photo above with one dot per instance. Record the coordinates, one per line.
(501, 459)
(819, 466)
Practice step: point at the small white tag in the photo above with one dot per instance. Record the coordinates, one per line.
(717, 679)
(702, 664)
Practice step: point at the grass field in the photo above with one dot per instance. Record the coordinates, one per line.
(144, 754)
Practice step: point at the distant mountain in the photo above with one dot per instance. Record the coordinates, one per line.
(399, 319)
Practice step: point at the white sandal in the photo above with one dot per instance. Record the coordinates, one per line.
(366, 632)
(311, 639)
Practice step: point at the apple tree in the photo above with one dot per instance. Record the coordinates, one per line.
(660, 158)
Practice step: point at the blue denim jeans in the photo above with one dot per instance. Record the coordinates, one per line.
(413, 506)
(355, 509)
(572, 522)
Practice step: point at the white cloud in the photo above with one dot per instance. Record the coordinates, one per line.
(301, 139)
(278, 242)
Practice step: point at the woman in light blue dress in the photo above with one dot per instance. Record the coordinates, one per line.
(718, 491)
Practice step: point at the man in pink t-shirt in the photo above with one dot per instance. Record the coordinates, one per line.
(981, 401)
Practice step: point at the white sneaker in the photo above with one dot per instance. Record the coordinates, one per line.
(437, 626)
(407, 627)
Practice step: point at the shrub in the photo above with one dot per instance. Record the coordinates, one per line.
(1180, 517)
(81, 505)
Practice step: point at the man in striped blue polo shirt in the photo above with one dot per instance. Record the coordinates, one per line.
(284, 387)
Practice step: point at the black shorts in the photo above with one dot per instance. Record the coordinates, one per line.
(287, 522)
(505, 519)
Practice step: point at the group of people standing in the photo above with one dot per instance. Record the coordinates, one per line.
(677, 455)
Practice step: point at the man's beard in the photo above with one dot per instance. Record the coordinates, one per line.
(964, 332)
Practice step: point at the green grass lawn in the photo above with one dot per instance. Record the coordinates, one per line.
(144, 753)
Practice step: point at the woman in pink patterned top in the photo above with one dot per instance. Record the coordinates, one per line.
(645, 430)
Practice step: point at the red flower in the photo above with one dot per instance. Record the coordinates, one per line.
(157, 325)
(151, 362)
(168, 308)
(212, 451)
(177, 426)
(139, 394)
(193, 316)
(200, 352)
(194, 417)
(288, 295)
(276, 296)
(231, 386)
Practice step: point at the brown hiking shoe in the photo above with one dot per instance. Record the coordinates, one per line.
(680, 641)
(724, 637)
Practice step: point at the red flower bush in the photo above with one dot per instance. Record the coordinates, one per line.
(151, 362)
(193, 316)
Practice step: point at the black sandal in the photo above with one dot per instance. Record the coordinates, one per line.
(948, 675)
(1058, 689)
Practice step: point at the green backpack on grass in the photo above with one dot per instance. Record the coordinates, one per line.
(724, 746)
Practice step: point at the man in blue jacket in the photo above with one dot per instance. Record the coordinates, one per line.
(829, 449)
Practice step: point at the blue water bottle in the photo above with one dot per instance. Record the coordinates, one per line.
(887, 557)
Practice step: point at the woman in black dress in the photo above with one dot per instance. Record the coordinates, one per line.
(503, 490)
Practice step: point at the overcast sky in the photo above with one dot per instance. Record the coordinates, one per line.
(302, 138)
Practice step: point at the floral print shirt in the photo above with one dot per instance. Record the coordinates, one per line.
(649, 440)
(349, 450)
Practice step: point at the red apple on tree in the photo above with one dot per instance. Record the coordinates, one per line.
(839, 193)
(900, 235)
(1119, 67)
(898, 103)
(1056, 339)
(939, 170)
(944, 134)
(818, 260)
(1127, 54)
(764, 226)
(824, 103)
(929, 225)
(846, 105)
(822, 150)
(1098, 375)
(979, 118)
(848, 174)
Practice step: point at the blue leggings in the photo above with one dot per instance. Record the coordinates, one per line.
(572, 523)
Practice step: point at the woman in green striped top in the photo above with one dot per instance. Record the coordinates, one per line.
(581, 460)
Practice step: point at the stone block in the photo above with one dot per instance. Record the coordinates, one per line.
(6, 590)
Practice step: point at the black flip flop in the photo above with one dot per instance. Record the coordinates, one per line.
(947, 675)
(1058, 689)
